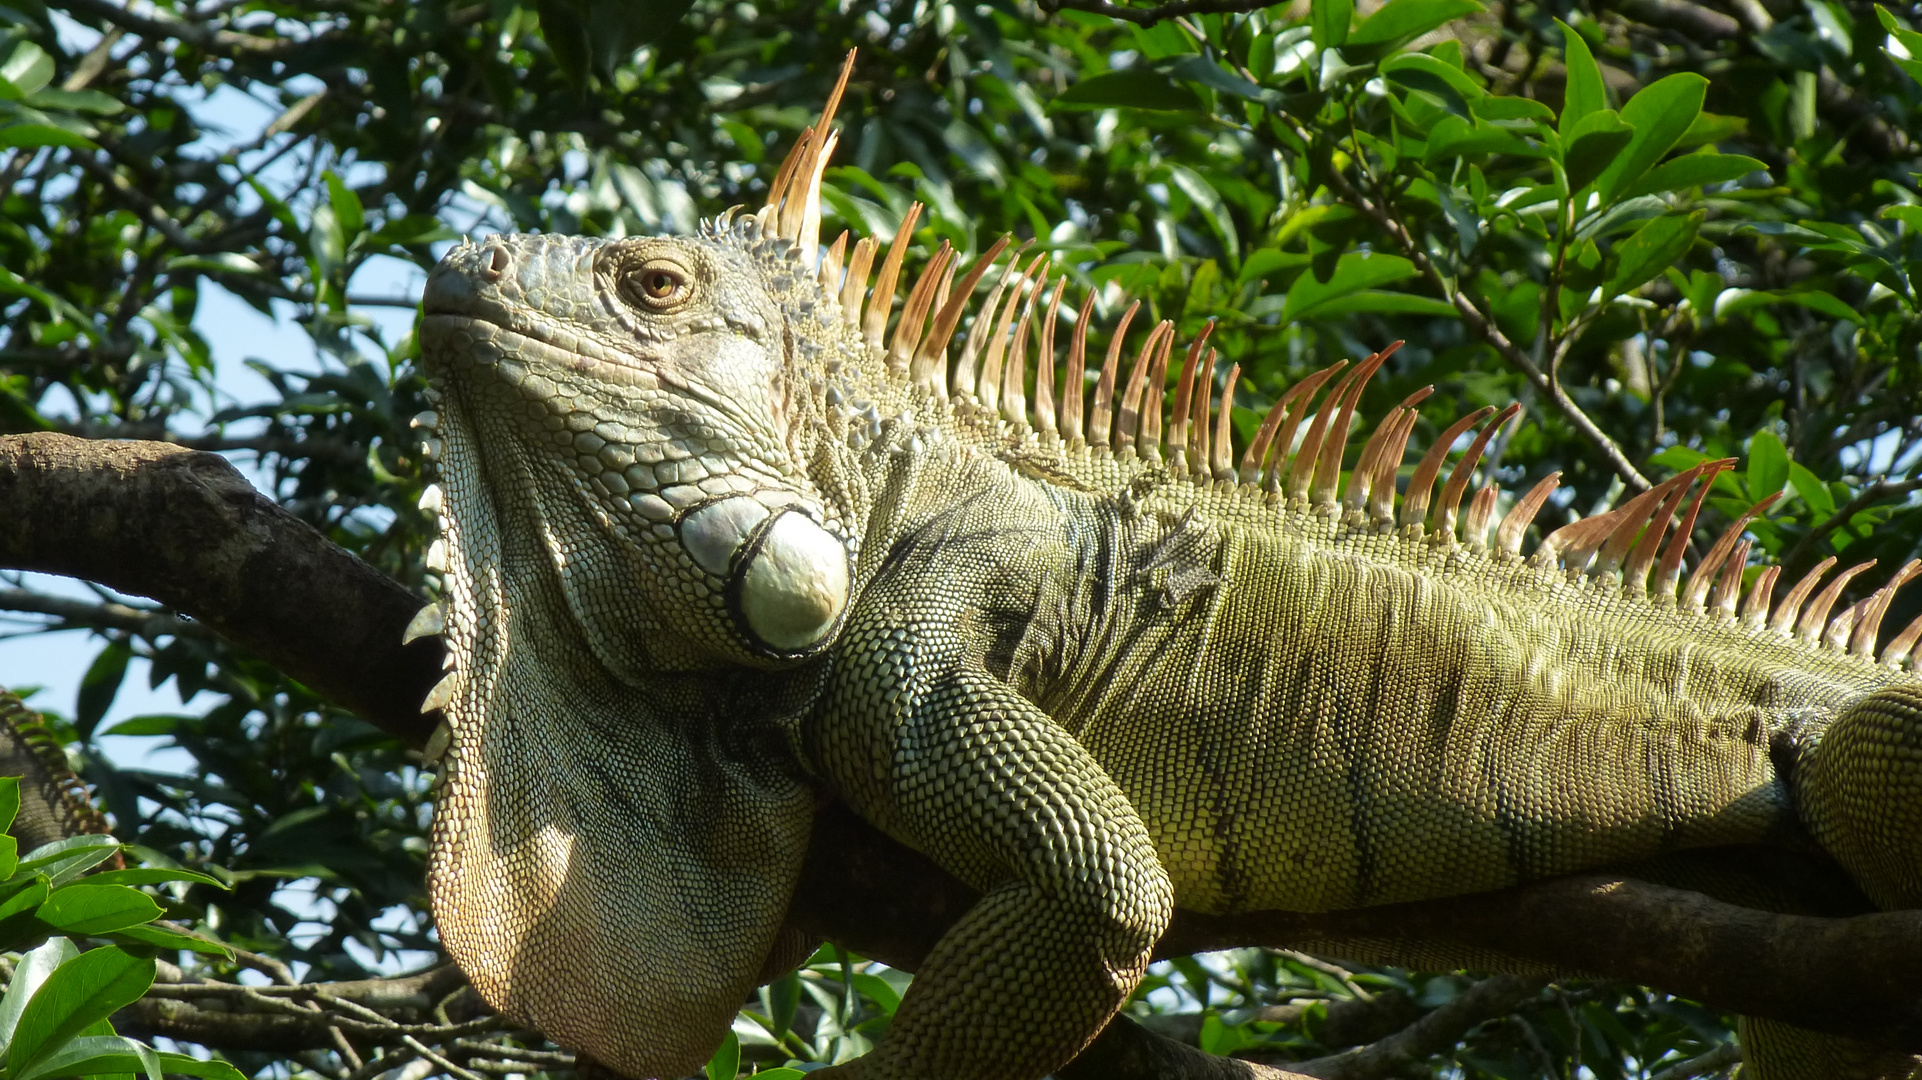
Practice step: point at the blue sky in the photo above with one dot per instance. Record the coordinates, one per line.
(235, 332)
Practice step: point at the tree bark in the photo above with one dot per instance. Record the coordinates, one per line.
(185, 529)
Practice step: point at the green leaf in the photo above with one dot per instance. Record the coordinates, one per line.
(99, 686)
(1209, 202)
(28, 68)
(1585, 94)
(152, 724)
(1451, 88)
(1131, 88)
(1768, 465)
(727, 1060)
(1454, 137)
(1593, 146)
(161, 937)
(1499, 107)
(183, 1065)
(412, 229)
(1814, 494)
(879, 991)
(28, 976)
(1385, 303)
(102, 1055)
(9, 806)
(1694, 170)
(29, 135)
(1402, 20)
(784, 998)
(1650, 250)
(1353, 273)
(96, 909)
(1827, 303)
(1616, 218)
(64, 860)
(1678, 458)
(88, 101)
(152, 875)
(81, 992)
(1215, 77)
(347, 209)
(29, 894)
(1711, 128)
(1659, 115)
(1331, 19)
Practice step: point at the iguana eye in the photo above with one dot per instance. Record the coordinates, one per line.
(658, 285)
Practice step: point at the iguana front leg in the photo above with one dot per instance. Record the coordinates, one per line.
(923, 741)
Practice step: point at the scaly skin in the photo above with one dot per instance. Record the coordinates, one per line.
(1093, 684)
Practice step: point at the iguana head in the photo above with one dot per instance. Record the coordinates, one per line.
(654, 381)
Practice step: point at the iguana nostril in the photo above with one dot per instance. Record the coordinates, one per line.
(497, 263)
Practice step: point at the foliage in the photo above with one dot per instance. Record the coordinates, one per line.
(1672, 241)
(53, 1016)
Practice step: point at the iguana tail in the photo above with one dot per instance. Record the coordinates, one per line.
(54, 803)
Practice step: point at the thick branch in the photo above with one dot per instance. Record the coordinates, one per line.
(1856, 976)
(187, 530)
(1430, 1035)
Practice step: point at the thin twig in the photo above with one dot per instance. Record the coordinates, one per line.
(545, 1058)
(423, 1050)
(1483, 326)
(1433, 1033)
(1719, 1058)
(1153, 15)
(1876, 492)
(146, 622)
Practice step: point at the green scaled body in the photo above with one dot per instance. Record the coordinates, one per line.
(716, 539)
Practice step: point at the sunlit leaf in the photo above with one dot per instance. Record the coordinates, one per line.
(1660, 113)
(1694, 170)
(1649, 250)
(1401, 20)
(1353, 273)
(96, 909)
(1585, 94)
(1768, 464)
(1593, 145)
(79, 993)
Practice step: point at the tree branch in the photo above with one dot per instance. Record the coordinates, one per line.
(102, 616)
(1874, 493)
(1430, 1035)
(186, 529)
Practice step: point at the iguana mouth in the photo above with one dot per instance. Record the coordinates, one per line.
(478, 296)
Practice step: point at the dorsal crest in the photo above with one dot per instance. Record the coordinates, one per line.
(1295, 458)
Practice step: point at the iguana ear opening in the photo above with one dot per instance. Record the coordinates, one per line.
(602, 871)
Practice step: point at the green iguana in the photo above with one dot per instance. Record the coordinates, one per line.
(716, 540)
